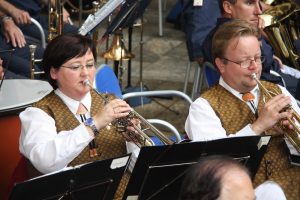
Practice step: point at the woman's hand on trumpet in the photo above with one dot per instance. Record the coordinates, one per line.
(272, 112)
(113, 110)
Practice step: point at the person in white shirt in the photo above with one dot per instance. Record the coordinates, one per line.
(221, 112)
(73, 124)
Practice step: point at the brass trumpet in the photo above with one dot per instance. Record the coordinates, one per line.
(292, 135)
(143, 139)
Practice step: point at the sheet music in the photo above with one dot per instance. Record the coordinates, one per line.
(94, 19)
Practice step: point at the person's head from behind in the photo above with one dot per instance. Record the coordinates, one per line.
(237, 54)
(248, 10)
(69, 59)
(217, 178)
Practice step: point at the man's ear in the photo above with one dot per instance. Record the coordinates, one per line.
(220, 65)
(227, 6)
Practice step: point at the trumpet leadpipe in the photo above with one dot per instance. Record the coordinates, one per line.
(87, 82)
(265, 91)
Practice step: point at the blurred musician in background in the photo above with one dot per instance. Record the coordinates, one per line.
(250, 11)
(198, 21)
(1, 69)
(72, 125)
(15, 17)
(22, 12)
(8, 74)
(223, 178)
(223, 111)
(12, 37)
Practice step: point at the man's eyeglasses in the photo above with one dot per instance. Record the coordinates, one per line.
(247, 63)
(79, 67)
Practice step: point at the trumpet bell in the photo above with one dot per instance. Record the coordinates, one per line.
(117, 50)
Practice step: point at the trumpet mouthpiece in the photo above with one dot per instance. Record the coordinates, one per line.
(254, 75)
(86, 82)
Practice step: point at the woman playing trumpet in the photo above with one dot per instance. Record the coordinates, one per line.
(71, 125)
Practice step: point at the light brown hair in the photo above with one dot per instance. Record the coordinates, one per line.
(233, 29)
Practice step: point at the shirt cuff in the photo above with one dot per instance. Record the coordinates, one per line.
(246, 131)
(83, 132)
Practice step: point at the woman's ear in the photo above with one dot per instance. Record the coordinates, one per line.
(53, 73)
(220, 65)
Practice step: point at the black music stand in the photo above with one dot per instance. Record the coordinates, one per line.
(97, 180)
(128, 14)
(159, 170)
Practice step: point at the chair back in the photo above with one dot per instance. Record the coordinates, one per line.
(106, 81)
(211, 74)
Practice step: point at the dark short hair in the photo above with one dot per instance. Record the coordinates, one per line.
(203, 180)
(62, 49)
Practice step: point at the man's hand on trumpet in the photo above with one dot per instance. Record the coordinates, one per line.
(272, 113)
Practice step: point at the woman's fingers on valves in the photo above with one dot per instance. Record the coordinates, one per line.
(120, 107)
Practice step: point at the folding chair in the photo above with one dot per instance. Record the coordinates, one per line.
(107, 82)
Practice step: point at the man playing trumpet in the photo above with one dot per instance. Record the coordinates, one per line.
(237, 106)
(250, 11)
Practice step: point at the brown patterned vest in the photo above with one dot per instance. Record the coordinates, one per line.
(275, 164)
(109, 143)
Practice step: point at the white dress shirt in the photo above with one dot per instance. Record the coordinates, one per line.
(49, 151)
(202, 123)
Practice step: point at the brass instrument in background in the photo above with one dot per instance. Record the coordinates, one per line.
(292, 135)
(55, 19)
(32, 49)
(275, 2)
(87, 7)
(143, 139)
(83, 7)
(282, 28)
(117, 50)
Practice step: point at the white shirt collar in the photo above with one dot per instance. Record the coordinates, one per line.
(73, 104)
(254, 91)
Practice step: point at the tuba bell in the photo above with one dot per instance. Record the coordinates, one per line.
(282, 29)
(274, 2)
